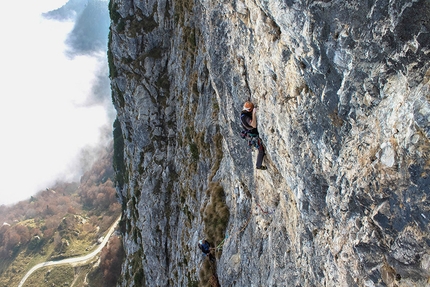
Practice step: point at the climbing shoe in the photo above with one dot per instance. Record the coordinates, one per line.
(262, 167)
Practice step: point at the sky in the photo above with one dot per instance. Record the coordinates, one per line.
(55, 98)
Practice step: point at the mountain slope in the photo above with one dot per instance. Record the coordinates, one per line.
(63, 221)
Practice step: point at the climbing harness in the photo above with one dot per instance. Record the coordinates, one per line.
(253, 139)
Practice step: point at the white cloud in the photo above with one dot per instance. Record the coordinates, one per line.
(43, 121)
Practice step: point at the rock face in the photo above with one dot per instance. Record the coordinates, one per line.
(342, 89)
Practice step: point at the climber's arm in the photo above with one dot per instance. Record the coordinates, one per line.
(253, 122)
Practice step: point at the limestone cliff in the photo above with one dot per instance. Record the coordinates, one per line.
(342, 89)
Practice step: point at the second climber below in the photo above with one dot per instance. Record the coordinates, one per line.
(248, 119)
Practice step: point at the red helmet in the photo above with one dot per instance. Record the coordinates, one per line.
(248, 106)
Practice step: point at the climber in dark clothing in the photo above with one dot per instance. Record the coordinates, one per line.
(205, 247)
(248, 120)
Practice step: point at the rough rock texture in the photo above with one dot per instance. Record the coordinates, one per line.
(343, 94)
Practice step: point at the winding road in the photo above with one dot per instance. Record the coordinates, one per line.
(73, 260)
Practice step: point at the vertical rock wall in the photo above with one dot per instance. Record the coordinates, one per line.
(342, 89)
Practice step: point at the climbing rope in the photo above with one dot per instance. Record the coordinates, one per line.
(219, 246)
(265, 212)
(213, 280)
(222, 242)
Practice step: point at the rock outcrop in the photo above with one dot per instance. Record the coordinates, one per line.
(342, 89)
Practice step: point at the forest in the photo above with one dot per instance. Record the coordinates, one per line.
(62, 221)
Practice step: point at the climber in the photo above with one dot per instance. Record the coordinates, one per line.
(206, 248)
(248, 120)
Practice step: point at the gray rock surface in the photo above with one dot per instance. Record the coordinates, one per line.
(342, 89)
